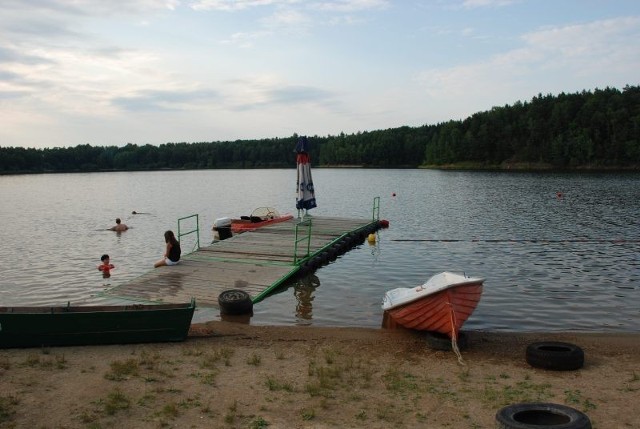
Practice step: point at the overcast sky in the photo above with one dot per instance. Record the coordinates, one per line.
(112, 72)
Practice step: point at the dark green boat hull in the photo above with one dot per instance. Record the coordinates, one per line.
(86, 325)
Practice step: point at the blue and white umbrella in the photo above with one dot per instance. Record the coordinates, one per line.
(306, 198)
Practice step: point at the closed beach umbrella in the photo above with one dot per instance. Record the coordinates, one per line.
(306, 198)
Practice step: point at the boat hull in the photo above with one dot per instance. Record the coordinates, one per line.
(444, 312)
(242, 225)
(85, 325)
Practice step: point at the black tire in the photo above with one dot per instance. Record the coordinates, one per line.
(439, 341)
(235, 301)
(555, 356)
(309, 266)
(538, 415)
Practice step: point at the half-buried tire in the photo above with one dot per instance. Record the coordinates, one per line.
(539, 415)
(555, 355)
(235, 301)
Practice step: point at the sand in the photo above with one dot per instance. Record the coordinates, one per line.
(230, 375)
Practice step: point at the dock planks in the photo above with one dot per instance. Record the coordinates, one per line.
(255, 261)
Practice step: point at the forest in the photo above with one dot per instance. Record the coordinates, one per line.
(596, 130)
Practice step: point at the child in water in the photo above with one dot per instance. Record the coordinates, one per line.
(105, 267)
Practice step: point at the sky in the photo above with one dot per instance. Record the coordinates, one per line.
(113, 72)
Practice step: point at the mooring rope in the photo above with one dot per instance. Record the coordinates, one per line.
(454, 336)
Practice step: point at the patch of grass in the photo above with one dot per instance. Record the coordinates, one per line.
(4, 363)
(254, 359)
(193, 352)
(230, 416)
(387, 413)
(339, 373)
(210, 361)
(308, 414)
(523, 391)
(34, 361)
(275, 385)
(464, 375)
(280, 355)
(87, 417)
(146, 399)
(115, 401)
(400, 382)
(122, 370)
(7, 407)
(209, 378)
(170, 411)
(574, 397)
(258, 423)
(148, 360)
(330, 356)
(190, 403)
(361, 415)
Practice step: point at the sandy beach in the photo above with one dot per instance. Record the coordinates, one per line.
(229, 375)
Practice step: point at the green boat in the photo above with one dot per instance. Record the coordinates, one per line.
(83, 325)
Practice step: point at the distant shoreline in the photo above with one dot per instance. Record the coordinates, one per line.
(511, 167)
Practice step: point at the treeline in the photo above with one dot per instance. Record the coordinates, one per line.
(599, 129)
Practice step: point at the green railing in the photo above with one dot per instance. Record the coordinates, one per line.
(376, 208)
(300, 228)
(196, 230)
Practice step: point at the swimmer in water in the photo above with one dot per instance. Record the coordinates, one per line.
(106, 266)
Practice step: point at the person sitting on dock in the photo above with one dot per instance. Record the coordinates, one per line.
(172, 251)
(119, 226)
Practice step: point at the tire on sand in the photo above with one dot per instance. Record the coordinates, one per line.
(235, 301)
(555, 356)
(539, 415)
(439, 341)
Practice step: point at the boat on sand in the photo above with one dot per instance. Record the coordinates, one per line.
(442, 304)
(101, 324)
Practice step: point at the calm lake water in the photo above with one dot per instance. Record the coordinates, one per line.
(569, 262)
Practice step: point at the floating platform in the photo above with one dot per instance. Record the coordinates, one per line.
(257, 262)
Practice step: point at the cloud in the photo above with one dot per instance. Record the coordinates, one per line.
(349, 5)
(330, 6)
(245, 39)
(473, 4)
(253, 92)
(553, 59)
(235, 5)
(162, 100)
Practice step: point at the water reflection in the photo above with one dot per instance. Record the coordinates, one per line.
(237, 318)
(303, 291)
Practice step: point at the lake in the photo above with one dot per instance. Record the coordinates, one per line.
(559, 251)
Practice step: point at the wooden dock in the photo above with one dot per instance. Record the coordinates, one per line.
(257, 262)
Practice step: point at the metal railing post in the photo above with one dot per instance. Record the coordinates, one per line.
(376, 208)
(297, 240)
(196, 230)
